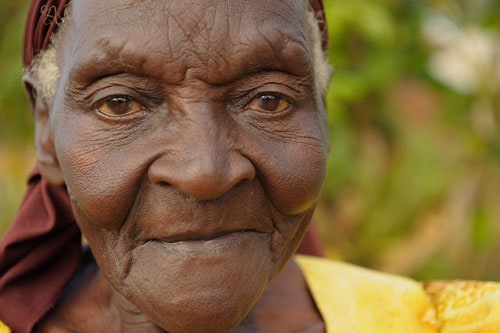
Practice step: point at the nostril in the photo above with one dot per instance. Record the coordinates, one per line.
(163, 183)
(202, 176)
(238, 184)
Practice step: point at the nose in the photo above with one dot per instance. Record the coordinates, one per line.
(202, 162)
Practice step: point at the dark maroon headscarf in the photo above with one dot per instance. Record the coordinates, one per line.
(41, 251)
(44, 17)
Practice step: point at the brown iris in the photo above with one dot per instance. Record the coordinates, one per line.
(269, 102)
(119, 106)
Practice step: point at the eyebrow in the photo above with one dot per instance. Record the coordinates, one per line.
(288, 55)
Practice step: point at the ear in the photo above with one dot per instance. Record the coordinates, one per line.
(45, 151)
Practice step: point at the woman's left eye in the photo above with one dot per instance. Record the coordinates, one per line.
(269, 102)
(119, 106)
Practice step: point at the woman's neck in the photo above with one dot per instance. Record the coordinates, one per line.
(285, 306)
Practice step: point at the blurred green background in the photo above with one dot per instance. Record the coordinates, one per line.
(414, 108)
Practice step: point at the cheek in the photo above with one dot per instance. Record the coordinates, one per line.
(101, 178)
(293, 169)
(296, 188)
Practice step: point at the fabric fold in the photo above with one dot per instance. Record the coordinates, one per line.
(43, 242)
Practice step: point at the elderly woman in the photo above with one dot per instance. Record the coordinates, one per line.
(191, 138)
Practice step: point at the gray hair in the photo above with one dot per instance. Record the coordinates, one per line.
(45, 71)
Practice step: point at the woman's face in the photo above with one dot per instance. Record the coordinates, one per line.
(193, 147)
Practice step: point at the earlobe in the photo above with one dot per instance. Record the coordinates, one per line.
(45, 151)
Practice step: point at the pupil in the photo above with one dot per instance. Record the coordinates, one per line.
(269, 102)
(119, 105)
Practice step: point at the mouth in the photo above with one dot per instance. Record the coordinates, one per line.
(198, 237)
(216, 243)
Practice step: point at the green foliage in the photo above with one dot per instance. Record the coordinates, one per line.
(406, 158)
(16, 154)
(15, 119)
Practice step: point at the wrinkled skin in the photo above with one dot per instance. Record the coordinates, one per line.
(192, 143)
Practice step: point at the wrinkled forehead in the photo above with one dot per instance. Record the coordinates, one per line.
(45, 16)
(218, 18)
(200, 32)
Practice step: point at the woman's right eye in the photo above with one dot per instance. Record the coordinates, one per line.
(119, 106)
(269, 103)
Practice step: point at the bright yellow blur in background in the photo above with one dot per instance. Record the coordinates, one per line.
(414, 108)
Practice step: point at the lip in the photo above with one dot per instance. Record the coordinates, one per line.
(216, 243)
(201, 237)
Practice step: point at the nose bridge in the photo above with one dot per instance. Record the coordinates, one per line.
(206, 151)
(203, 163)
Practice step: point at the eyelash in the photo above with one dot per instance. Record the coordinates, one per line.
(245, 98)
(283, 103)
(120, 99)
(146, 102)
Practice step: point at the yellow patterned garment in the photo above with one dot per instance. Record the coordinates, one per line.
(354, 299)
(357, 300)
(4, 328)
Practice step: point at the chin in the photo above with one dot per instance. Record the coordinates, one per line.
(199, 286)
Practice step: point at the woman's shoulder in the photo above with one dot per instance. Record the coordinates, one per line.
(466, 306)
(356, 299)
(4, 328)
